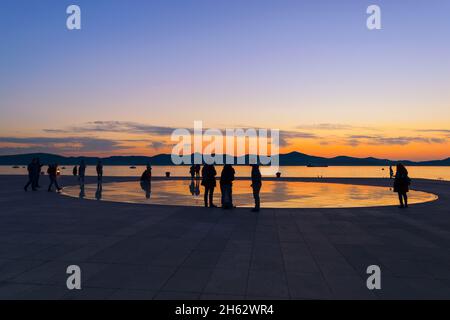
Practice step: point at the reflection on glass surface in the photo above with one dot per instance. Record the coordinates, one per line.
(274, 194)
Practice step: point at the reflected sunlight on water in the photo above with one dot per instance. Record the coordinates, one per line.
(274, 194)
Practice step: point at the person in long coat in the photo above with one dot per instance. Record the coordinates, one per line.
(209, 182)
(226, 186)
(256, 186)
(401, 185)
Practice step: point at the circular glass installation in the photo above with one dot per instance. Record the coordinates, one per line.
(274, 194)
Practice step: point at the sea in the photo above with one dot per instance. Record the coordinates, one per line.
(425, 172)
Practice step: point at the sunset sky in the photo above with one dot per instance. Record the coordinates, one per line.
(139, 69)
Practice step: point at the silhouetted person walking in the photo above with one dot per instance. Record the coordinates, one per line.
(52, 174)
(32, 168)
(256, 186)
(401, 185)
(146, 181)
(226, 186)
(209, 182)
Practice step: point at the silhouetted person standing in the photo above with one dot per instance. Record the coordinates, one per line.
(226, 186)
(81, 176)
(52, 174)
(256, 186)
(99, 169)
(197, 170)
(209, 182)
(197, 187)
(146, 181)
(32, 168)
(75, 171)
(391, 172)
(401, 185)
(192, 187)
(192, 171)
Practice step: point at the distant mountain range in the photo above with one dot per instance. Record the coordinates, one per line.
(288, 159)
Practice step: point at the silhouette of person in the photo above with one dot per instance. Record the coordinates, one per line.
(75, 171)
(391, 172)
(209, 182)
(38, 172)
(192, 187)
(31, 168)
(98, 192)
(146, 181)
(197, 187)
(192, 171)
(226, 186)
(99, 169)
(52, 174)
(256, 186)
(82, 175)
(401, 185)
(197, 170)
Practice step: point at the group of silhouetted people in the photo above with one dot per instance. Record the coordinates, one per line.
(34, 172)
(226, 185)
(208, 181)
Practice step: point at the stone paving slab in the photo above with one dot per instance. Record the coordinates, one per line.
(132, 251)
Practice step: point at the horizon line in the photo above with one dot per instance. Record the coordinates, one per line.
(224, 154)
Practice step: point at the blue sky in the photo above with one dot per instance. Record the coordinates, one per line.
(261, 63)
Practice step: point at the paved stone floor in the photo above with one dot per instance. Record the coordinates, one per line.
(131, 251)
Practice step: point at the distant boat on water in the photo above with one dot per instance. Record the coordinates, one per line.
(133, 167)
(16, 167)
(316, 165)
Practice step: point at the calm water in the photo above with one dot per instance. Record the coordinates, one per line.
(436, 173)
(274, 194)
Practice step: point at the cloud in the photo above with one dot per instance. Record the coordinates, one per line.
(157, 145)
(286, 136)
(355, 140)
(116, 126)
(59, 144)
(434, 130)
(331, 127)
(139, 128)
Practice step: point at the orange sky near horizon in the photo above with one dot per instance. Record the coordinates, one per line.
(324, 145)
